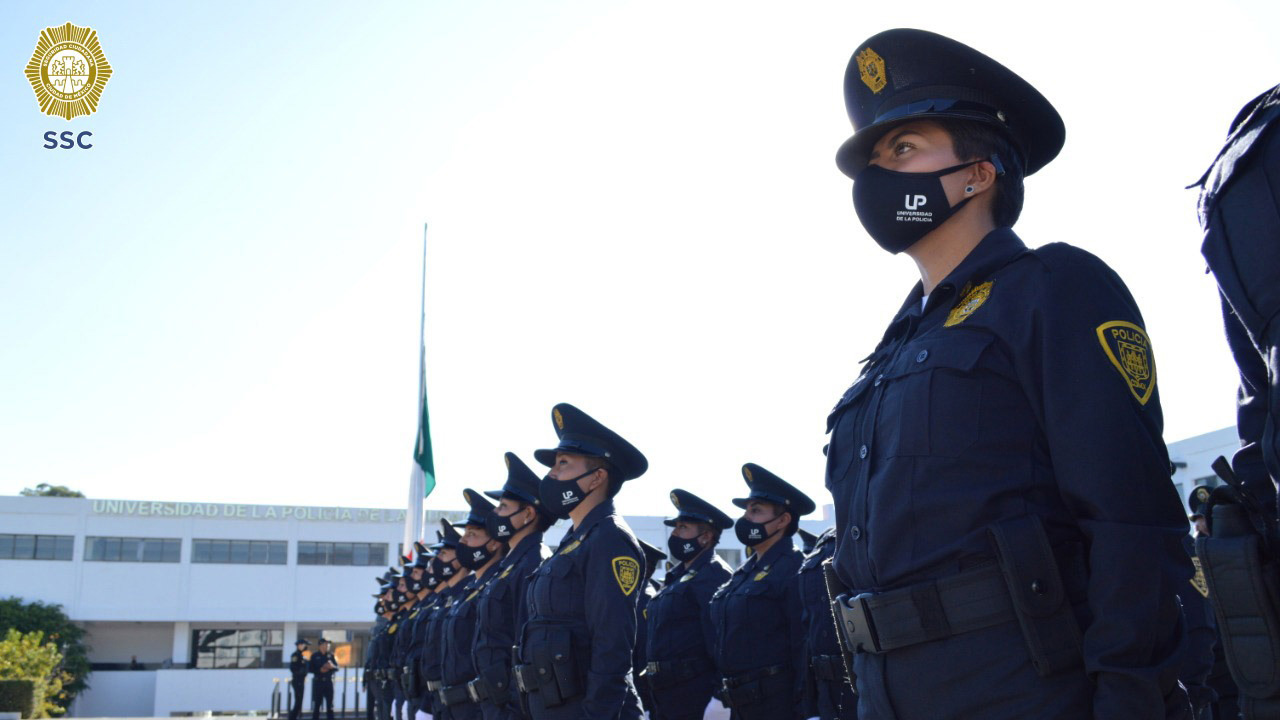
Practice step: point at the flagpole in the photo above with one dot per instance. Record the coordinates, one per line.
(414, 516)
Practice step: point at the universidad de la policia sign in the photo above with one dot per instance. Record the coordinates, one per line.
(229, 511)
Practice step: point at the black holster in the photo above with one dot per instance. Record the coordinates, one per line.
(495, 684)
(1244, 591)
(1039, 594)
(553, 671)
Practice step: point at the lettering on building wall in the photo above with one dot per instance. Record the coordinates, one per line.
(227, 511)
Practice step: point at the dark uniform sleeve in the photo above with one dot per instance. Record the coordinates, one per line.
(1089, 368)
(611, 596)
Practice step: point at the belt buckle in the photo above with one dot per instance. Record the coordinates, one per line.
(855, 623)
(651, 669)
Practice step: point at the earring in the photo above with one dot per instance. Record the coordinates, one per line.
(968, 189)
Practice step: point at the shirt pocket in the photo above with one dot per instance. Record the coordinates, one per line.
(840, 423)
(933, 404)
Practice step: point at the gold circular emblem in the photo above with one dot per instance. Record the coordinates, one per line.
(68, 71)
(1202, 495)
(559, 418)
(675, 501)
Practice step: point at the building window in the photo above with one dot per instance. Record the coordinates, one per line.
(36, 547)
(218, 649)
(241, 552)
(340, 553)
(120, 549)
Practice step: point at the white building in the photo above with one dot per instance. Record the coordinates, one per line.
(208, 598)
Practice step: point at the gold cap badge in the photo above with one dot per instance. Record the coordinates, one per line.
(675, 501)
(68, 71)
(747, 471)
(1202, 494)
(871, 68)
(559, 418)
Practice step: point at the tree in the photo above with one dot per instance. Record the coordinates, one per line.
(47, 490)
(26, 656)
(56, 628)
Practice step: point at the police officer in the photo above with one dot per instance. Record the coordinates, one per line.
(680, 673)
(1007, 530)
(453, 576)
(756, 616)
(379, 664)
(322, 665)
(518, 521)
(419, 582)
(653, 558)
(575, 649)
(298, 676)
(827, 692)
(478, 553)
(1242, 246)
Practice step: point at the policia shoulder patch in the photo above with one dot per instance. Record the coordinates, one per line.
(1129, 349)
(627, 572)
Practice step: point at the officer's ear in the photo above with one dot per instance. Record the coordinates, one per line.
(599, 478)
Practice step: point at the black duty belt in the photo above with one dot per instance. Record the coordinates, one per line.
(434, 685)
(748, 677)
(531, 677)
(880, 622)
(678, 669)
(828, 667)
(454, 695)
(478, 690)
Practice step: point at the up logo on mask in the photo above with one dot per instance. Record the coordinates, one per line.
(566, 497)
(755, 532)
(912, 202)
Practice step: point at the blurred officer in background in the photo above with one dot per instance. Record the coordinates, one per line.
(519, 522)
(756, 615)
(680, 673)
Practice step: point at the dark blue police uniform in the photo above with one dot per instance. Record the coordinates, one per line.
(1007, 526)
(680, 673)
(321, 682)
(432, 664)
(653, 558)
(460, 622)
(1240, 214)
(756, 616)
(297, 680)
(828, 694)
(575, 648)
(500, 608)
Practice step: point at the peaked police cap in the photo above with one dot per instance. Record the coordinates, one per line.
(522, 483)
(690, 507)
(480, 508)
(449, 536)
(766, 486)
(903, 75)
(581, 434)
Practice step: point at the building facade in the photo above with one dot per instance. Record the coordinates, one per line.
(194, 607)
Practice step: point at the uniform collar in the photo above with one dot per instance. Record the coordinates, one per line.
(533, 540)
(593, 518)
(997, 249)
(783, 546)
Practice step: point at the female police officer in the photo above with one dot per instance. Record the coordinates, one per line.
(575, 648)
(755, 617)
(1001, 488)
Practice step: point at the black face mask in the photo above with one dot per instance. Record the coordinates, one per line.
(443, 570)
(752, 533)
(391, 605)
(560, 497)
(500, 527)
(899, 208)
(378, 608)
(682, 549)
(474, 558)
(415, 586)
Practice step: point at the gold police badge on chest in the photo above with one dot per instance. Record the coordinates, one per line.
(1129, 350)
(627, 572)
(971, 302)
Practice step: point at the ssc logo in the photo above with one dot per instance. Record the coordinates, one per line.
(68, 71)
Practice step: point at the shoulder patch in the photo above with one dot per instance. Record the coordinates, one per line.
(973, 299)
(1129, 349)
(1197, 581)
(626, 570)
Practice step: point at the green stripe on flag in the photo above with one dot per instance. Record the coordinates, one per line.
(422, 454)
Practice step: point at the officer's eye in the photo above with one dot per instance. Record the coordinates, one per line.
(902, 147)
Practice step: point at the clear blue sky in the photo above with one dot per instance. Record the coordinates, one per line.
(633, 207)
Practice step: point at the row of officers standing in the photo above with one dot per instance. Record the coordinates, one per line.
(488, 623)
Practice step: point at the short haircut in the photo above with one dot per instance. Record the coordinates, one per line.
(615, 480)
(975, 140)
